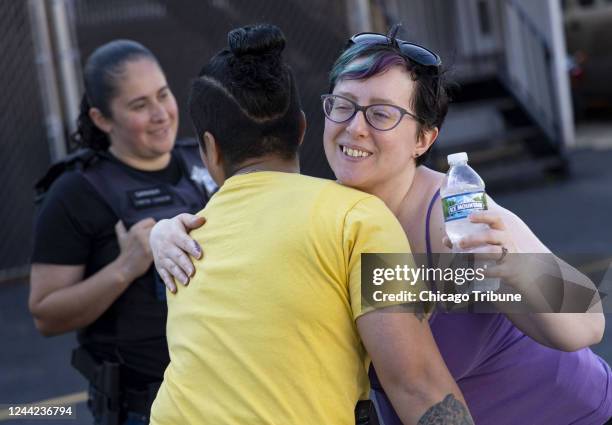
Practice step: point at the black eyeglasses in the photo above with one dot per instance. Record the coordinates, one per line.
(414, 52)
(382, 116)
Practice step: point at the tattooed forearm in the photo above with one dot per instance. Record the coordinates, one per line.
(449, 411)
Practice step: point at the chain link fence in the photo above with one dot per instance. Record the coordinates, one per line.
(183, 34)
(24, 151)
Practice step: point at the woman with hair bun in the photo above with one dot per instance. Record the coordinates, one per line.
(91, 265)
(272, 328)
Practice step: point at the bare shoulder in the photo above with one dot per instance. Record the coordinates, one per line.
(437, 232)
(430, 180)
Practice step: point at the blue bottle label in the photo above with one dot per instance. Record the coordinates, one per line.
(459, 206)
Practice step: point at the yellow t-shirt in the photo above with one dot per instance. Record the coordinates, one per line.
(265, 332)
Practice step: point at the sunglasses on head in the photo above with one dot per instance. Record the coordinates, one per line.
(414, 52)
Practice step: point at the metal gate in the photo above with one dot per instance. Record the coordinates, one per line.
(24, 151)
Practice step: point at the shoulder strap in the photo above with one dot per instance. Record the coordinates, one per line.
(100, 182)
(77, 160)
(427, 235)
(430, 264)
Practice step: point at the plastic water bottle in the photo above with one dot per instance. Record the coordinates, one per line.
(462, 193)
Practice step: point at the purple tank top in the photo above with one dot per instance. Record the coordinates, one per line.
(509, 379)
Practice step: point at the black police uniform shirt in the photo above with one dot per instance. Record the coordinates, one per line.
(75, 226)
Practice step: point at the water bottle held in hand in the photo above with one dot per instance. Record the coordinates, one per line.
(462, 193)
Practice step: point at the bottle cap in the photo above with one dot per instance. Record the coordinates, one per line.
(457, 158)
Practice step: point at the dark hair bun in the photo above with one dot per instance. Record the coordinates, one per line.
(256, 40)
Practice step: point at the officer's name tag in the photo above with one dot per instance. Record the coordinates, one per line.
(150, 197)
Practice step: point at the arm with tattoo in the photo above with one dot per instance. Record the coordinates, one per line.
(449, 411)
(411, 369)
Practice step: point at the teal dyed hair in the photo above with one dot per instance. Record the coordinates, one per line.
(361, 61)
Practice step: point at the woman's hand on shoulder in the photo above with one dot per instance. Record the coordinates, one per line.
(171, 247)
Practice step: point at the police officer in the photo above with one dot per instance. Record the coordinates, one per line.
(91, 267)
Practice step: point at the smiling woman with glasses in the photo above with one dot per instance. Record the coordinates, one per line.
(512, 369)
(490, 356)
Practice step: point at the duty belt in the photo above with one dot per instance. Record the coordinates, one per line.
(109, 396)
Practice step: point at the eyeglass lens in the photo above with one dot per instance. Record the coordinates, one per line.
(381, 117)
